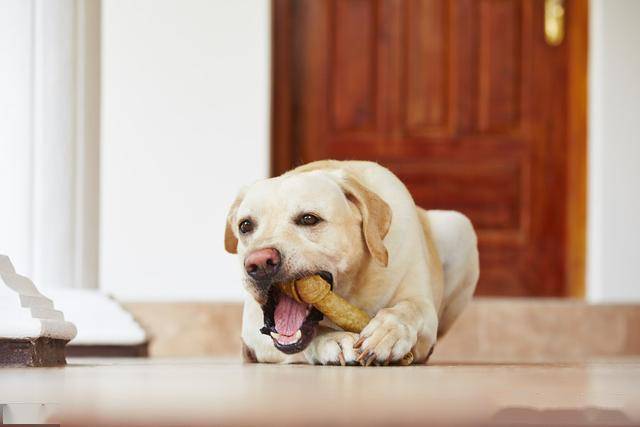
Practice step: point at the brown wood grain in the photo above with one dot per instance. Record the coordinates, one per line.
(353, 79)
(577, 39)
(465, 102)
(426, 50)
(283, 152)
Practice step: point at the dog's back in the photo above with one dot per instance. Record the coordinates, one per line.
(455, 241)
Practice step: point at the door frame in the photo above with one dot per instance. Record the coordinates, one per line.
(284, 154)
(577, 38)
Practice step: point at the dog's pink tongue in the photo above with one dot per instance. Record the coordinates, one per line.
(289, 315)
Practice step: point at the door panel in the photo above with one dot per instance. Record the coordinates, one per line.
(463, 100)
(426, 73)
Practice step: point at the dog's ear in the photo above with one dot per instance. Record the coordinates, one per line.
(376, 216)
(230, 239)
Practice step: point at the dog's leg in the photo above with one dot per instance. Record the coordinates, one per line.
(411, 324)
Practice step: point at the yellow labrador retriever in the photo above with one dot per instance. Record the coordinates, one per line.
(356, 225)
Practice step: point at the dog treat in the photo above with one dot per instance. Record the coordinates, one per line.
(316, 291)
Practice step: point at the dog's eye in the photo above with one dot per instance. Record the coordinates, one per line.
(308, 219)
(245, 226)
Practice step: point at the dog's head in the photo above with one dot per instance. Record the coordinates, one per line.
(305, 222)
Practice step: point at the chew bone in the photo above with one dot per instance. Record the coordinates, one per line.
(315, 291)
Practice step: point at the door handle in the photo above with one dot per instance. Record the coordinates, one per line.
(554, 22)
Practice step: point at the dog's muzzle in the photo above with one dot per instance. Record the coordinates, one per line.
(291, 324)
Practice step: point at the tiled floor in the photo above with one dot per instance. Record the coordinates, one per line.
(192, 392)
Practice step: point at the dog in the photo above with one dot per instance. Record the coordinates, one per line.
(356, 225)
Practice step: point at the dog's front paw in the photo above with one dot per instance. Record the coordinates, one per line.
(333, 348)
(386, 339)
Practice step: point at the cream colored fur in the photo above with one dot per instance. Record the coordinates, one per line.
(412, 270)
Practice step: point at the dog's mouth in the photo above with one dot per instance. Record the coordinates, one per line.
(291, 324)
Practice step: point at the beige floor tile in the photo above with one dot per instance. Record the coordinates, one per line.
(215, 392)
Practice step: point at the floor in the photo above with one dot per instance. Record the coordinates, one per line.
(226, 392)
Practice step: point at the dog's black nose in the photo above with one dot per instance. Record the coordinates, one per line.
(263, 263)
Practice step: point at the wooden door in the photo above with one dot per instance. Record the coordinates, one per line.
(464, 100)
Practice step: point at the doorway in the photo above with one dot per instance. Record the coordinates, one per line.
(468, 101)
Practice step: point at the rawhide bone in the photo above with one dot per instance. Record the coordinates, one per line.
(316, 291)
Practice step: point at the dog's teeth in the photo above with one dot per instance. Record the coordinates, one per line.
(298, 335)
(275, 335)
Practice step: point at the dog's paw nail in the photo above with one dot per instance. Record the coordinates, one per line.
(388, 361)
(358, 343)
(370, 359)
(362, 355)
(341, 358)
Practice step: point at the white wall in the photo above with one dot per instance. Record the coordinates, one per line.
(614, 151)
(48, 140)
(16, 77)
(184, 124)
